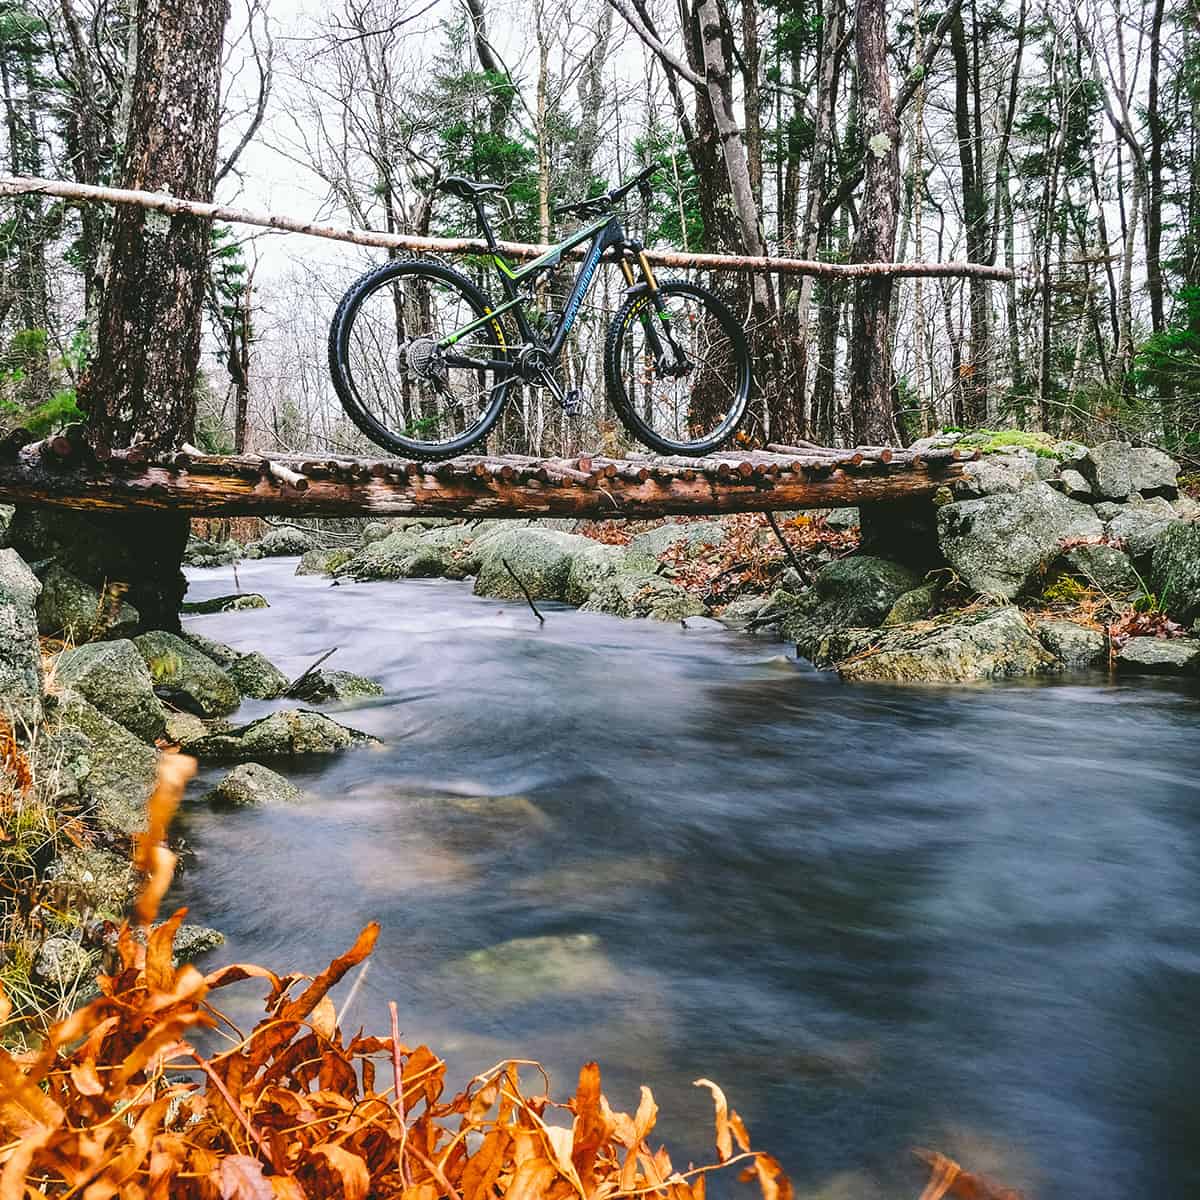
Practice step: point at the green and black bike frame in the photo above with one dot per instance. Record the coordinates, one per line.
(605, 234)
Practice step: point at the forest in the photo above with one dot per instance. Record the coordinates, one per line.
(1058, 141)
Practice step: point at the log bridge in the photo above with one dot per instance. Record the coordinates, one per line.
(63, 472)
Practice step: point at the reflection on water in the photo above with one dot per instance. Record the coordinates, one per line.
(962, 918)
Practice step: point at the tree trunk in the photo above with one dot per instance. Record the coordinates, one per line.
(870, 343)
(140, 388)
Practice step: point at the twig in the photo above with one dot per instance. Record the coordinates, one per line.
(234, 1108)
(399, 1077)
(528, 597)
(805, 578)
(308, 671)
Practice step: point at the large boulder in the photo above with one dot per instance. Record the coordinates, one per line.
(7, 512)
(257, 677)
(1159, 656)
(186, 676)
(997, 475)
(851, 593)
(1139, 524)
(250, 784)
(201, 552)
(400, 555)
(76, 611)
(1075, 646)
(1102, 567)
(323, 562)
(1000, 544)
(286, 734)
(114, 677)
(1175, 571)
(690, 536)
(1117, 470)
(641, 594)
(539, 558)
(994, 643)
(453, 544)
(284, 542)
(20, 651)
(590, 566)
(116, 770)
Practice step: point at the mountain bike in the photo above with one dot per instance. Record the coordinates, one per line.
(423, 361)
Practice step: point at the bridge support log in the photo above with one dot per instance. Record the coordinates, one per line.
(59, 474)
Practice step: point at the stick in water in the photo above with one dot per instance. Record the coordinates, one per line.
(804, 575)
(528, 597)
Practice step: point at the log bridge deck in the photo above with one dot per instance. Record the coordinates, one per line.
(62, 472)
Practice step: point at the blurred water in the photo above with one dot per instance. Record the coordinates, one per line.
(962, 918)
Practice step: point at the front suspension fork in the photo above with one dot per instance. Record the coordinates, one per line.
(660, 307)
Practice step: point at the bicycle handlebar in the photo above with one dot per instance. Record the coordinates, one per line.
(603, 202)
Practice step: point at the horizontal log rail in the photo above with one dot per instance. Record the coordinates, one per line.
(61, 472)
(13, 185)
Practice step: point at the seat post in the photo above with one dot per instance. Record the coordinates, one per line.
(483, 223)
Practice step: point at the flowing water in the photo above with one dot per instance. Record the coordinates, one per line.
(963, 918)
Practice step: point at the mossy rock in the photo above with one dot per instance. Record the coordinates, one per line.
(76, 611)
(998, 441)
(321, 686)
(186, 675)
(115, 678)
(250, 785)
(255, 676)
(641, 594)
(289, 733)
(220, 604)
(323, 562)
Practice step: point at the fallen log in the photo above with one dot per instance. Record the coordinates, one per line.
(212, 485)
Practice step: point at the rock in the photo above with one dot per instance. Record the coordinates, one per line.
(641, 594)
(219, 604)
(1117, 469)
(521, 970)
(1139, 525)
(1186, 508)
(1107, 509)
(997, 475)
(400, 555)
(321, 685)
(850, 593)
(843, 518)
(63, 964)
(742, 613)
(323, 562)
(91, 879)
(375, 531)
(1102, 567)
(184, 727)
(7, 512)
(74, 610)
(20, 650)
(1075, 646)
(254, 676)
(912, 606)
(186, 675)
(200, 552)
(219, 652)
(1175, 571)
(191, 941)
(454, 546)
(994, 643)
(284, 542)
(284, 734)
(694, 535)
(116, 771)
(1073, 484)
(1159, 656)
(113, 676)
(250, 784)
(1070, 454)
(590, 566)
(1000, 544)
(540, 558)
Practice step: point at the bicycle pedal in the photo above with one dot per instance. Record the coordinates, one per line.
(572, 402)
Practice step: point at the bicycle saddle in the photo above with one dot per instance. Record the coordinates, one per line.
(467, 189)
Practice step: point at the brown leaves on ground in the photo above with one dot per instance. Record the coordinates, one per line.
(117, 1102)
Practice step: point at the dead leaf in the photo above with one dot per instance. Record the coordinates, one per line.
(241, 1178)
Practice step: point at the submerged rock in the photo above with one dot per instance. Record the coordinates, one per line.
(219, 604)
(251, 784)
(76, 611)
(994, 643)
(115, 678)
(285, 734)
(639, 594)
(1175, 571)
(319, 686)
(1075, 646)
(1000, 544)
(1159, 656)
(186, 675)
(521, 970)
(20, 650)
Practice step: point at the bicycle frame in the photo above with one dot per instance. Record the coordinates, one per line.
(605, 233)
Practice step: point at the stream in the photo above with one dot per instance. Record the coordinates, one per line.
(962, 918)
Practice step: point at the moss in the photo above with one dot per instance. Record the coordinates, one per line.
(1064, 590)
(997, 441)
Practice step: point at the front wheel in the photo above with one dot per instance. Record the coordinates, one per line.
(678, 370)
(417, 361)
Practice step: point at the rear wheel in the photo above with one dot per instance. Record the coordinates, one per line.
(678, 375)
(402, 375)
